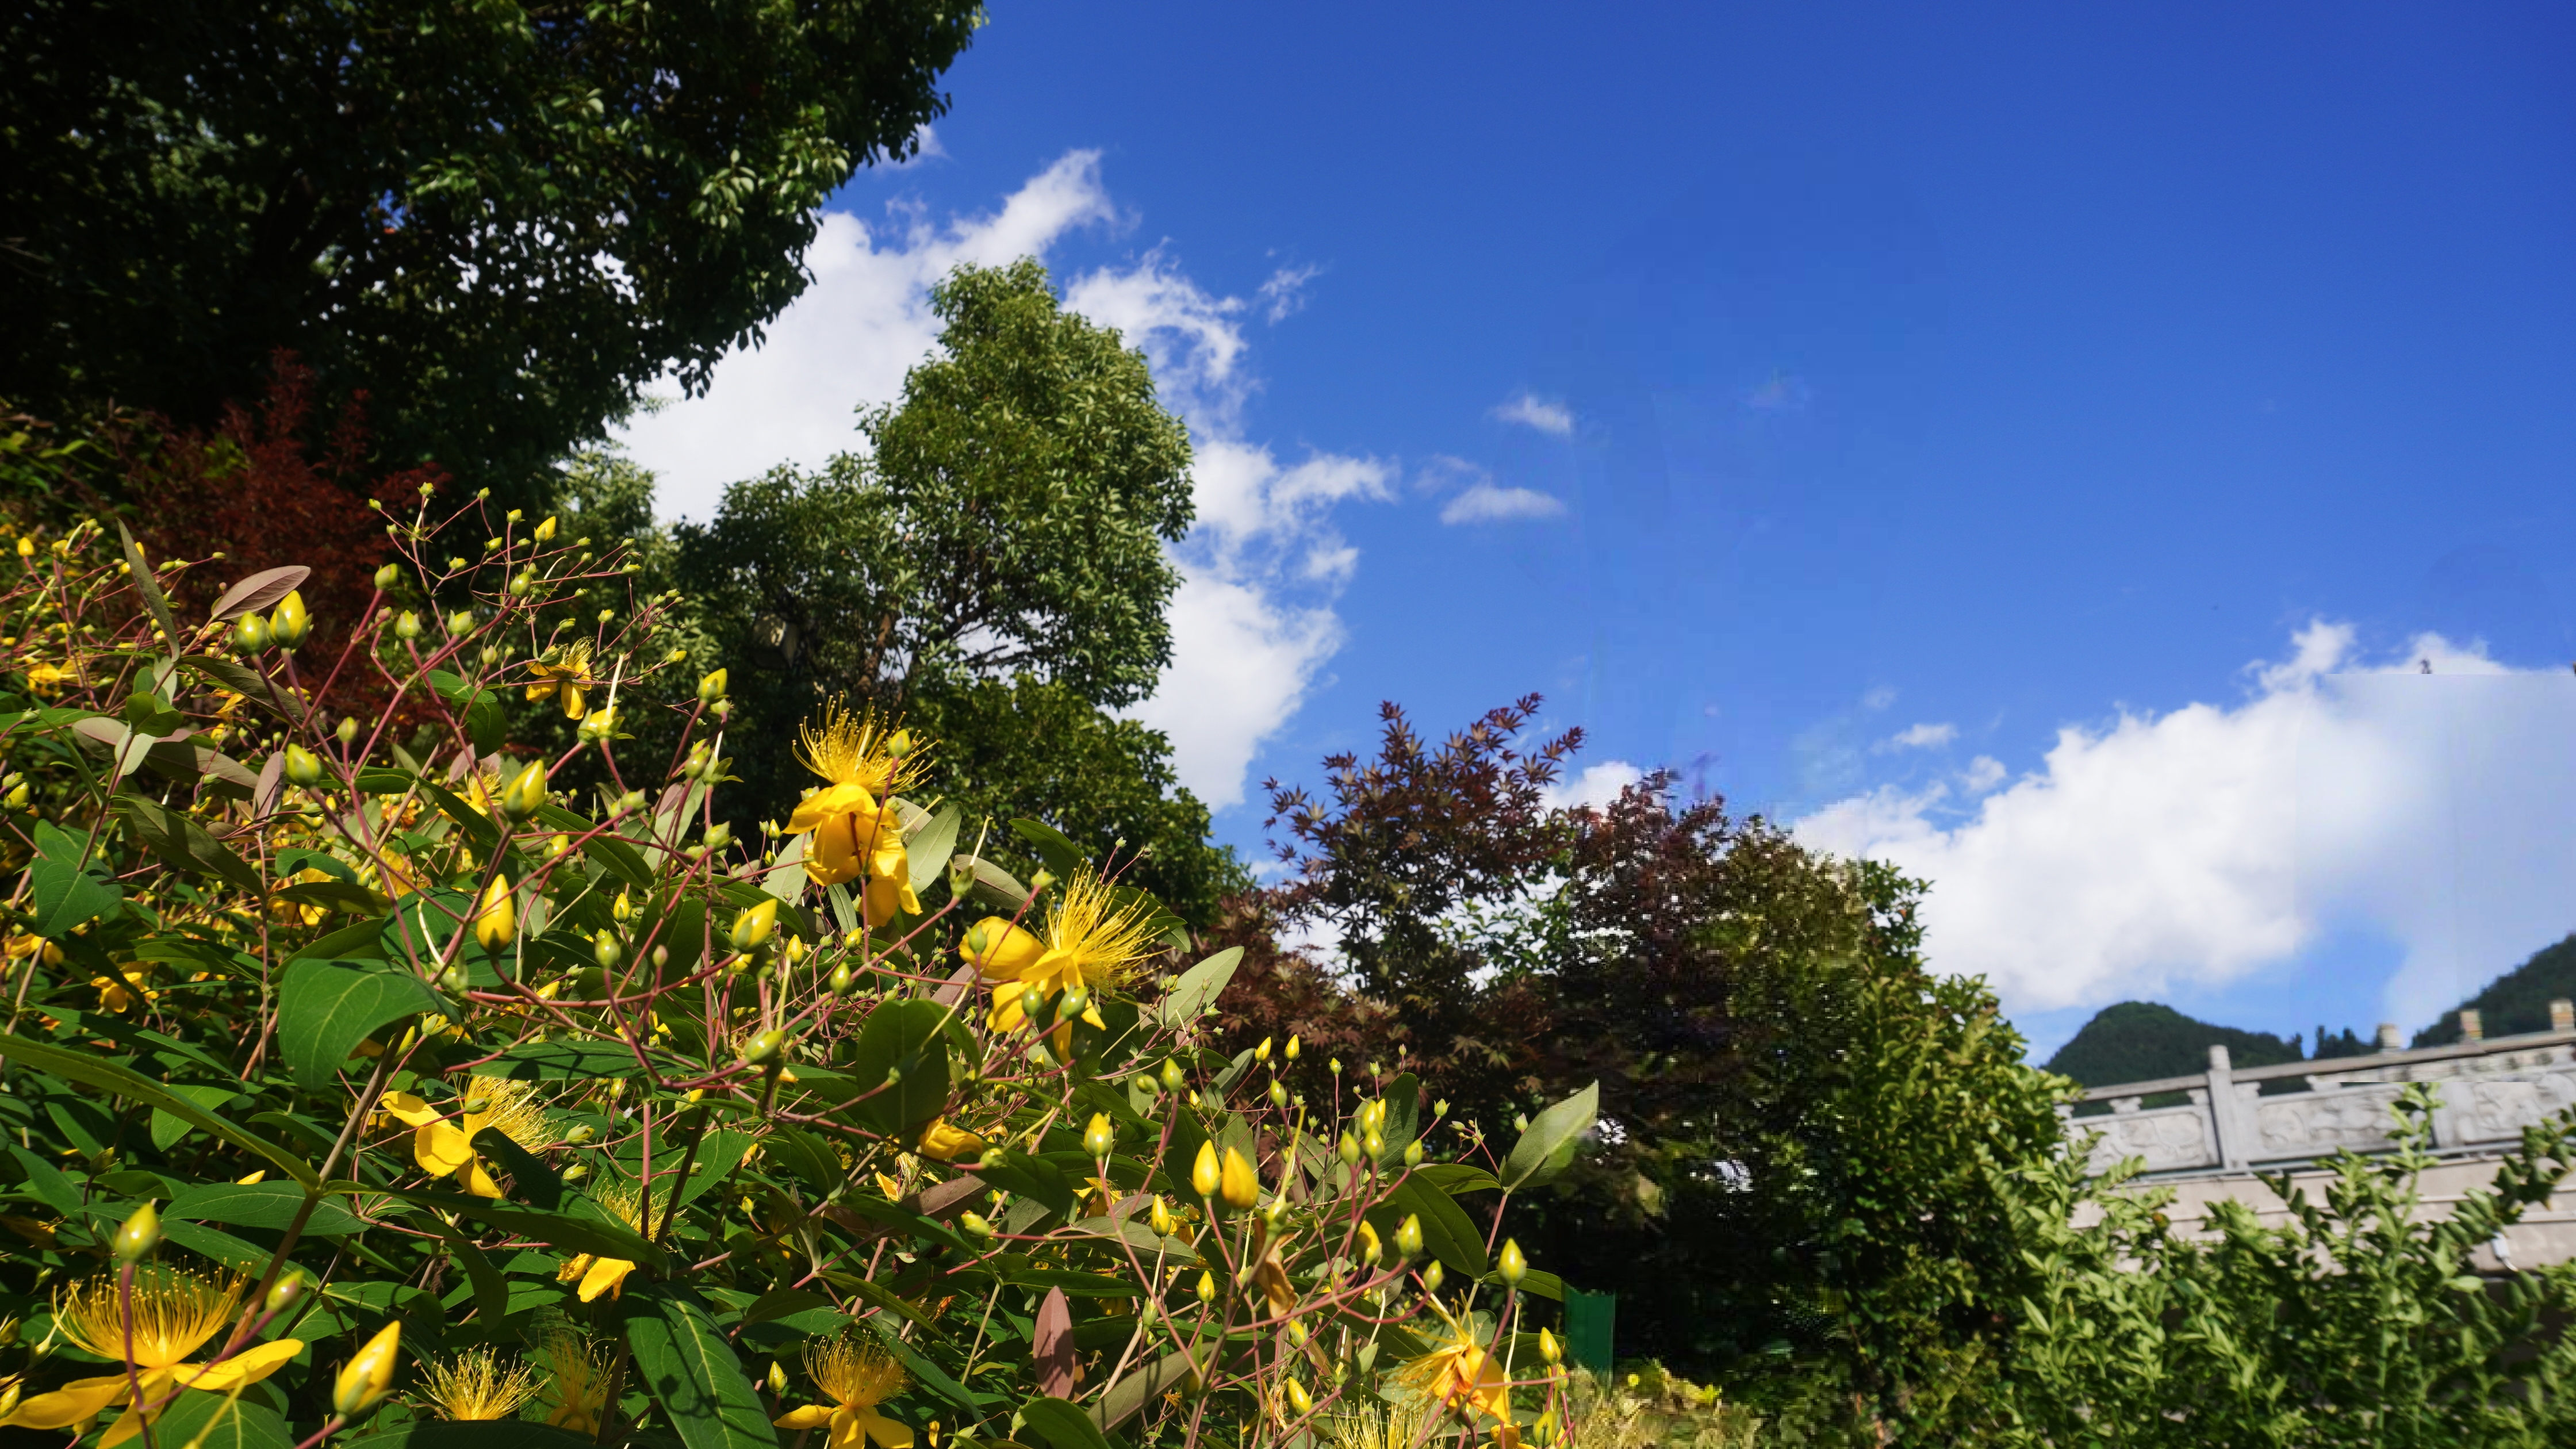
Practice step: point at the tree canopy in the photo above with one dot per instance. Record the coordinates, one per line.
(502, 219)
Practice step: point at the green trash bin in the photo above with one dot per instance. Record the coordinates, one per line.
(1589, 1326)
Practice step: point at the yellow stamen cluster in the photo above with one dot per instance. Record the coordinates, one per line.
(851, 748)
(573, 1381)
(1101, 939)
(509, 1106)
(174, 1313)
(851, 1371)
(474, 1385)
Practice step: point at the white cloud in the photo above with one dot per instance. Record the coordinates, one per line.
(1597, 786)
(1554, 419)
(1493, 503)
(1253, 622)
(1984, 773)
(1919, 737)
(1284, 295)
(2211, 842)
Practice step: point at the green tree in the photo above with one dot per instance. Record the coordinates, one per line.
(991, 568)
(501, 219)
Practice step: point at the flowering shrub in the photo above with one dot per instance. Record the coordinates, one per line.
(359, 1081)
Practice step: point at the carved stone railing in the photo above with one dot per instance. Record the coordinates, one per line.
(2491, 1090)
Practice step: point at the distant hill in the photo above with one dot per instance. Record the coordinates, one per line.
(2516, 1002)
(2138, 1041)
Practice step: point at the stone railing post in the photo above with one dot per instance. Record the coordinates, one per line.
(2389, 1040)
(2229, 1113)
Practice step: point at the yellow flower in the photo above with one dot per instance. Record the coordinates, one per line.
(562, 677)
(857, 1377)
(573, 1382)
(50, 678)
(1091, 942)
(174, 1314)
(1460, 1373)
(948, 1143)
(442, 1147)
(855, 830)
(474, 1386)
(606, 1275)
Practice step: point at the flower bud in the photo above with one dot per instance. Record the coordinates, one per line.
(1374, 1143)
(1241, 1188)
(1161, 1218)
(975, 1225)
(1204, 1172)
(303, 767)
(599, 724)
(1278, 1094)
(496, 920)
(622, 910)
(140, 1235)
(899, 744)
(718, 836)
(1349, 1148)
(1512, 1264)
(526, 791)
(1207, 1288)
(1413, 1153)
(777, 1377)
(288, 623)
(546, 531)
(1292, 1048)
(711, 688)
(1032, 1002)
(843, 979)
(368, 1377)
(348, 731)
(388, 576)
(461, 623)
(1408, 1235)
(753, 928)
(1549, 1348)
(763, 1049)
(1261, 1053)
(250, 634)
(1300, 1400)
(1297, 1332)
(407, 626)
(1171, 1075)
(1433, 1275)
(1077, 1000)
(1098, 1136)
(1370, 1251)
(606, 950)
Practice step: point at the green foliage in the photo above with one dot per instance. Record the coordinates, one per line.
(2139, 1041)
(2516, 1002)
(502, 219)
(2357, 1322)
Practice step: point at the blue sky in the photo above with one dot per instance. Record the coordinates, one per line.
(1840, 405)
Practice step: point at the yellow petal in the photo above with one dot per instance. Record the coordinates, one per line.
(475, 1180)
(409, 1110)
(72, 1403)
(846, 1433)
(1008, 950)
(831, 855)
(883, 898)
(832, 800)
(811, 1416)
(440, 1149)
(128, 1424)
(884, 1430)
(246, 1367)
(605, 1276)
(949, 1143)
(542, 689)
(572, 701)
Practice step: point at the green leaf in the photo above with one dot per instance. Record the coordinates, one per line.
(565, 1231)
(149, 587)
(478, 1434)
(1536, 1281)
(907, 1036)
(261, 1205)
(1062, 1425)
(48, 1183)
(808, 1159)
(324, 1011)
(1403, 1098)
(206, 1420)
(1062, 858)
(927, 850)
(215, 1245)
(531, 1180)
(780, 1302)
(1457, 1177)
(1031, 1177)
(684, 1360)
(1139, 1388)
(1199, 987)
(107, 1076)
(184, 844)
(1446, 1230)
(66, 893)
(1533, 1157)
(556, 1061)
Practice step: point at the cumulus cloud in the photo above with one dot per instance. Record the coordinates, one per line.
(1596, 786)
(1253, 622)
(1551, 418)
(2210, 842)
(1919, 737)
(1984, 773)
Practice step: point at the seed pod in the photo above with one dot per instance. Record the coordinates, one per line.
(407, 626)
(1408, 1235)
(606, 950)
(288, 623)
(526, 792)
(1205, 1175)
(453, 980)
(520, 583)
(368, 1377)
(975, 1225)
(348, 730)
(1171, 1075)
(140, 1234)
(1300, 1400)
(843, 978)
(496, 921)
(711, 688)
(287, 1291)
(1032, 1003)
(1207, 1288)
(1511, 1263)
(461, 622)
(1278, 1094)
(753, 928)
(718, 836)
(1077, 1000)
(764, 1048)
(1241, 1187)
(1433, 1275)
(303, 767)
(661, 956)
(1098, 1136)
(388, 576)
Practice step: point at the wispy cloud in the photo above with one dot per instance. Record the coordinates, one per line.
(1554, 419)
(1254, 620)
(1284, 295)
(1492, 503)
(1780, 392)
(1919, 737)
(2210, 842)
